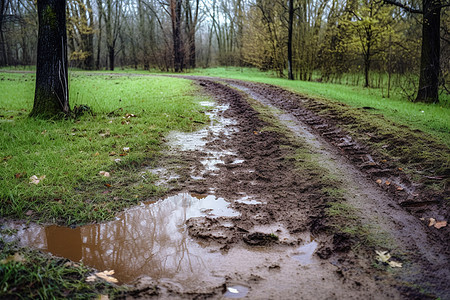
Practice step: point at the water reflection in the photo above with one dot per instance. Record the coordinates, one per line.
(148, 240)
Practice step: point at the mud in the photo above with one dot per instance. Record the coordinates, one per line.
(242, 222)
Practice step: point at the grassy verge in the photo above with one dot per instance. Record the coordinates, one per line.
(27, 274)
(123, 135)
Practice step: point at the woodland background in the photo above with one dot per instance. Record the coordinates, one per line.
(356, 42)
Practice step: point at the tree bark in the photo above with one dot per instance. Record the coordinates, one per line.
(428, 90)
(430, 57)
(51, 98)
(99, 40)
(3, 8)
(290, 30)
(178, 53)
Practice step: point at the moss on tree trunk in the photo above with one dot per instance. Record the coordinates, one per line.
(51, 99)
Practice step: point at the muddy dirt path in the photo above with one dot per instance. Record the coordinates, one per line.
(297, 204)
(247, 214)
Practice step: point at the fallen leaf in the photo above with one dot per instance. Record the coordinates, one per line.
(108, 185)
(117, 160)
(384, 160)
(383, 256)
(126, 149)
(44, 132)
(388, 182)
(6, 158)
(395, 264)
(107, 276)
(103, 297)
(440, 224)
(104, 173)
(432, 222)
(96, 154)
(17, 257)
(123, 154)
(91, 278)
(29, 212)
(422, 219)
(71, 264)
(399, 188)
(400, 169)
(379, 181)
(112, 153)
(20, 175)
(35, 180)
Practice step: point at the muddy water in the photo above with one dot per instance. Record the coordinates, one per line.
(148, 240)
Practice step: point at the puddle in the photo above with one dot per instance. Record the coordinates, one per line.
(148, 240)
(190, 141)
(165, 176)
(236, 291)
(194, 141)
(304, 254)
(249, 201)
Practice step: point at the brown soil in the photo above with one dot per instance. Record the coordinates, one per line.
(294, 202)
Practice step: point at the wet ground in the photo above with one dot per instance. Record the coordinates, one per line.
(243, 222)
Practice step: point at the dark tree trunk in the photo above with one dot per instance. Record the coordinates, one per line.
(290, 30)
(51, 98)
(430, 57)
(178, 53)
(99, 41)
(4, 57)
(431, 49)
(111, 57)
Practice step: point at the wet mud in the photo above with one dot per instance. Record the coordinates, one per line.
(241, 222)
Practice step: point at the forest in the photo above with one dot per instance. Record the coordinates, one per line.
(368, 43)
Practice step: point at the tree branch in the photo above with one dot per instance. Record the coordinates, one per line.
(405, 7)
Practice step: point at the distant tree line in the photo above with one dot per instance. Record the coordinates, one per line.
(324, 40)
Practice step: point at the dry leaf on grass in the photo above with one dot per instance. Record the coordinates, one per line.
(104, 173)
(105, 275)
(17, 257)
(35, 180)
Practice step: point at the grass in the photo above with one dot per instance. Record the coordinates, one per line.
(131, 116)
(27, 274)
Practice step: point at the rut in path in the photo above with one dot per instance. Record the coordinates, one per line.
(428, 259)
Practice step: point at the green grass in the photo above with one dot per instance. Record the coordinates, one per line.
(36, 276)
(431, 118)
(71, 153)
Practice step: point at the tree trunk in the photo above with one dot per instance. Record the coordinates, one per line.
(51, 98)
(99, 40)
(430, 56)
(290, 30)
(111, 57)
(3, 8)
(178, 53)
